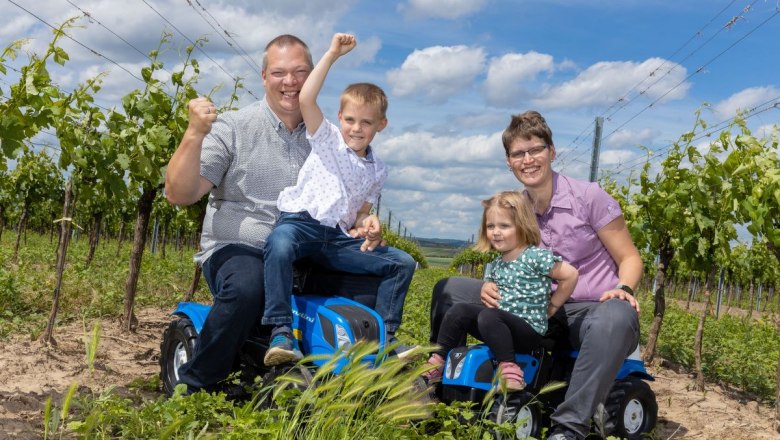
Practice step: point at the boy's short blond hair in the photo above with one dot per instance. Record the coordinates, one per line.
(365, 93)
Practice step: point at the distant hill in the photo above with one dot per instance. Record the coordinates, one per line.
(439, 251)
(441, 242)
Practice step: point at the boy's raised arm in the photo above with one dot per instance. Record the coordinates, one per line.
(312, 115)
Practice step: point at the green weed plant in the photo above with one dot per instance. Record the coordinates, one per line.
(736, 352)
(365, 403)
(88, 291)
(91, 342)
(364, 400)
(53, 420)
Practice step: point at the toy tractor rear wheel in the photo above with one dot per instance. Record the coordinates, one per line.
(521, 411)
(176, 348)
(632, 409)
(280, 378)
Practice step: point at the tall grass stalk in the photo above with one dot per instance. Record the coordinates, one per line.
(54, 421)
(48, 422)
(362, 400)
(91, 345)
(66, 401)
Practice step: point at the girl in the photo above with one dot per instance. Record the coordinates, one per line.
(523, 274)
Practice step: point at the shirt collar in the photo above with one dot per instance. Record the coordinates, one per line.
(278, 124)
(369, 154)
(560, 192)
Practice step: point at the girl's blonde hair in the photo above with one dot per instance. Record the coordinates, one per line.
(522, 215)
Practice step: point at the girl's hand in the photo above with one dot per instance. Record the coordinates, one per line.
(489, 294)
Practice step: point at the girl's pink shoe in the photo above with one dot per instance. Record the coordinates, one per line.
(434, 374)
(511, 376)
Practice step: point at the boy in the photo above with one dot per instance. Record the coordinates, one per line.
(327, 213)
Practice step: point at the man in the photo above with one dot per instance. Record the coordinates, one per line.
(245, 158)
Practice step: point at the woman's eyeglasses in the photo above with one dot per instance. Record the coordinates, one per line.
(533, 152)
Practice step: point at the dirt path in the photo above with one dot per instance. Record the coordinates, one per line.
(29, 374)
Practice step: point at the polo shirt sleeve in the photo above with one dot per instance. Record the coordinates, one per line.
(602, 207)
(217, 151)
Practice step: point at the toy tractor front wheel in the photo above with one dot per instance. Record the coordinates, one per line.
(632, 409)
(521, 411)
(176, 348)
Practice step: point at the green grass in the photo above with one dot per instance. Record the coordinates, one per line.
(87, 292)
(440, 262)
(736, 352)
(440, 251)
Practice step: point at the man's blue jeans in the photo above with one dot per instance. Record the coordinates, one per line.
(298, 235)
(234, 275)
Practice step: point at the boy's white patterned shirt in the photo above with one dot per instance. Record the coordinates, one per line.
(334, 182)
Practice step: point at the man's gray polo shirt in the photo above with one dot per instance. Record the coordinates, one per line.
(250, 157)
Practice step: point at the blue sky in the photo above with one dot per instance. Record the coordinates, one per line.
(455, 70)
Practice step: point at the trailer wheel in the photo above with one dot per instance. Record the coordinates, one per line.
(176, 348)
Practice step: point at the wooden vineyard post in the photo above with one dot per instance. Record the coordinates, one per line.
(65, 226)
(699, 340)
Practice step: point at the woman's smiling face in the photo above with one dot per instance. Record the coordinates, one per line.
(530, 161)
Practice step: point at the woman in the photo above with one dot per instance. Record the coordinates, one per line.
(581, 223)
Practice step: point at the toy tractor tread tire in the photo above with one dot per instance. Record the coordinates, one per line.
(631, 408)
(177, 346)
(520, 407)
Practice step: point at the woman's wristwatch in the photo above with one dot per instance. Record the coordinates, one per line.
(625, 288)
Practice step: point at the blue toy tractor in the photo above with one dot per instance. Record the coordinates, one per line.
(322, 325)
(630, 410)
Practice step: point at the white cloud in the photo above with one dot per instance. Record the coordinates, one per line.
(442, 202)
(437, 72)
(447, 9)
(20, 25)
(424, 148)
(432, 215)
(615, 157)
(767, 131)
(606, 82)
(365, 52)
(567, 64)
(744, 100)
(480, 120)
(457, 179)
(631, 138)
(437, 192)
(508, 76)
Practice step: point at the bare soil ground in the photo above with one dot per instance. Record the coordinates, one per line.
(30, 373)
